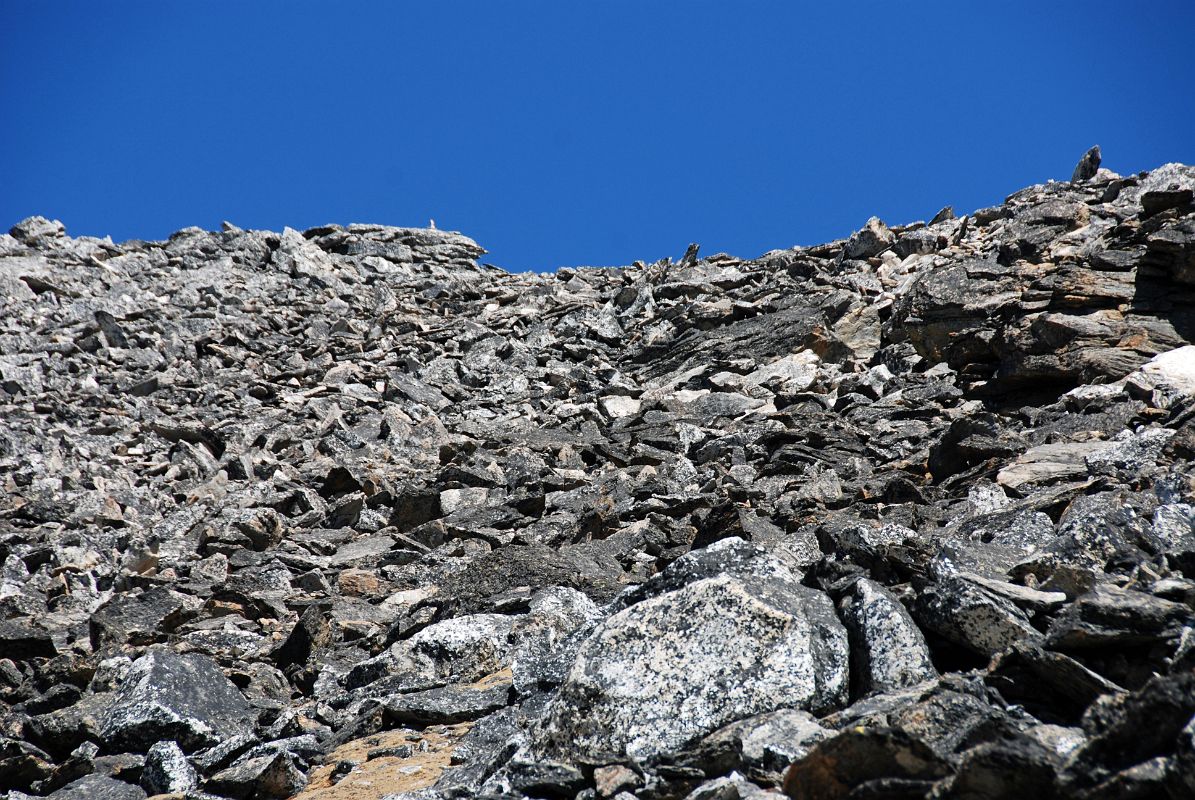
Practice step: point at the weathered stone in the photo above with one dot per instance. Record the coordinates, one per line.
(1088, 165)
(970, 616)
(167, 770)
(266, 776)
(698, 639)
(612, 779)
(445, 706)
(871, 240)
(839, 766)
(765, 742)
(617, 406)
(21, 640)
(311, 633)
(1110, 617)
(887, 649)
(1142, 725)
(549, 636)
(98, 787)
(376, 483)
(184, 698)
(34, 230)
(143, 619)
(1049, 462)
(1011, 767)
(1052, 686)
(1171, 375)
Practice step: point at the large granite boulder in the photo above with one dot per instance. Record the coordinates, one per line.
(680, 665)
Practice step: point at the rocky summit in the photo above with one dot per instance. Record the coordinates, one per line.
(345, 513)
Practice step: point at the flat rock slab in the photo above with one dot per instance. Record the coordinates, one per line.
(99, 787)
(1049, 462)
(448, 705)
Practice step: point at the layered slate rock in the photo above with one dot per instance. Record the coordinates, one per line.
(680, 665)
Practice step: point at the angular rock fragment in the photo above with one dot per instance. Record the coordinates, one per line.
(143, 619)
(1142, 726)
(887, 649)
(855, 761)
(166, 696)
(1051, 686)
(22, 640)
(1010, 767)
(1088, 165)
(970, 616)
(98, 787)
(872, 239)
(445, 706)
(272, 775)
(766, 743)
(167, 770)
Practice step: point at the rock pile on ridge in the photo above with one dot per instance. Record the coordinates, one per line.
(345, 514)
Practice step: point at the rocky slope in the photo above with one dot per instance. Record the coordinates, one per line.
(345, 514)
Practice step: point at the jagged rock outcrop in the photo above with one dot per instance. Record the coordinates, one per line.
(343, 512)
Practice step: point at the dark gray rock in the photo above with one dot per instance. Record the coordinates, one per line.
(445, 706)
(490, 743)
(272, 775)
(224, 754)
(20, 640)
(1051, 686)
(841, 765)
(759, 745)
(948, 716)
(1138, 728)
(1011, 767)
(23, 764)
(541, 778)
(973, 617)
(1088, 165)
(184, 698)
(730, 556)
(534, 567)
(731, 787)
(99, 787)
(1111, 617)
(142, 619)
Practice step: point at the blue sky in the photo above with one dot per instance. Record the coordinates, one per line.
(574, 133)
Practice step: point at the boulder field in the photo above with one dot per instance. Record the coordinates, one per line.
(345, 513)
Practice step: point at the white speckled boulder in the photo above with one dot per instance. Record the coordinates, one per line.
(888, 650)
(680, 665)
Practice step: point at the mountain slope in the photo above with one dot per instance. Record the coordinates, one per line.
(908, 511)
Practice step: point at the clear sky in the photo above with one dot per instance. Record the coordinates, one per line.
(574, 132)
